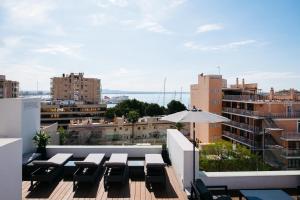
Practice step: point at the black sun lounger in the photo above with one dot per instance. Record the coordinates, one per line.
(88, 169)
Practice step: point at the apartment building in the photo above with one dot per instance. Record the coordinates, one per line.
(76, 87)
(63, 112)
(149, 130)
(8, 88)
(265, 122)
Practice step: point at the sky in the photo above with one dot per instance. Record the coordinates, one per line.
(135, 44)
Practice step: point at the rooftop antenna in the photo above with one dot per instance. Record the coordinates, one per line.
(164, 98)
(219, 70)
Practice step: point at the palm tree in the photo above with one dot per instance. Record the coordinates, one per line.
(133, 117)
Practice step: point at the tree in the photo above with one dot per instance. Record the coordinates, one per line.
(110, 113)
(179, 126)
(175, 106)
(133, 117)
(153, 109)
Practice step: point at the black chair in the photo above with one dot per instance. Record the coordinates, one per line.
(155, 171)
(48, 170)
(116, 170)
(200, 191)
(88, 170)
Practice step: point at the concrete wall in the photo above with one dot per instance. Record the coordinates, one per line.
(52, 132)
(252, 179)
(10, 168)
(20, 118)
(181, 155)
(82, 151)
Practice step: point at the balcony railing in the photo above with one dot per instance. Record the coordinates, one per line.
(290, 136)
(241, 111)
(244, 126)
(290, 153)
(245, 97)
(238, 138)
(260, 114)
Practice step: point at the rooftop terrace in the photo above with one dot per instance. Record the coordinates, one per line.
(135, 189)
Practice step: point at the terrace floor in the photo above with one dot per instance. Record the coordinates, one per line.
(134, 190)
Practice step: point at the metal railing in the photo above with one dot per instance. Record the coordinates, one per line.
(245, 97)
(290, 152)
(241, 111)
(295, 114)
(244, 126)
(239, 138)
(290, 136)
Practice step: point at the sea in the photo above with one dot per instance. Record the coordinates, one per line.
(145, 97)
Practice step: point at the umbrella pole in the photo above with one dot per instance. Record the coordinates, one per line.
(194, 153)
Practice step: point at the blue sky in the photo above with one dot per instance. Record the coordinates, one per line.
(135, 44)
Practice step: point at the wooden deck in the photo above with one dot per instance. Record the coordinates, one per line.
(134, 190)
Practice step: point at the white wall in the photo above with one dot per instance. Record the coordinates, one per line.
(52, 132)
(252, 179)
(20, 118)
(10, 168)
(181, 155)
(83, 150)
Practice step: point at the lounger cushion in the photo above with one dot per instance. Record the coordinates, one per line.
(57, 160)
(153, 160)
(93, 159)
(27, 158)
(117, 159)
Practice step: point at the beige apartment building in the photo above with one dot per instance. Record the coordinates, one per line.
(149, 130)
(258, 120)
(8, 88)
(76, 87)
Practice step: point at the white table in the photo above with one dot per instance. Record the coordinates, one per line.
(265, 195)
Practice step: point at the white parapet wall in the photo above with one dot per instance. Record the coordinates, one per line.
(81, 151)
(181, 155)
(10, 168)
(20, 118)
(252, 179)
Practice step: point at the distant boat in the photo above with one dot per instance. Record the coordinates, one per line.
(115, 100)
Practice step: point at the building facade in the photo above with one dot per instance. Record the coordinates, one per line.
(76, 87)
(265, 122)
(149, 130)
(63, 112)
(8, 88)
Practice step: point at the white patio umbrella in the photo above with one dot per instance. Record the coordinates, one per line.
(194, 116)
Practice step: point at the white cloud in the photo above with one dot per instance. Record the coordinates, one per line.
(70, 50)
(30, 12)
(231, 45)
(209, 27)
(99, 19)
(153, 27)
(107, 3)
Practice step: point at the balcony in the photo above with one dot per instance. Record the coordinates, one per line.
(253, 98)
(238, 138)
(243, 126)
(258, 114)
(290, 153)
(251, 113)
(290, 136)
